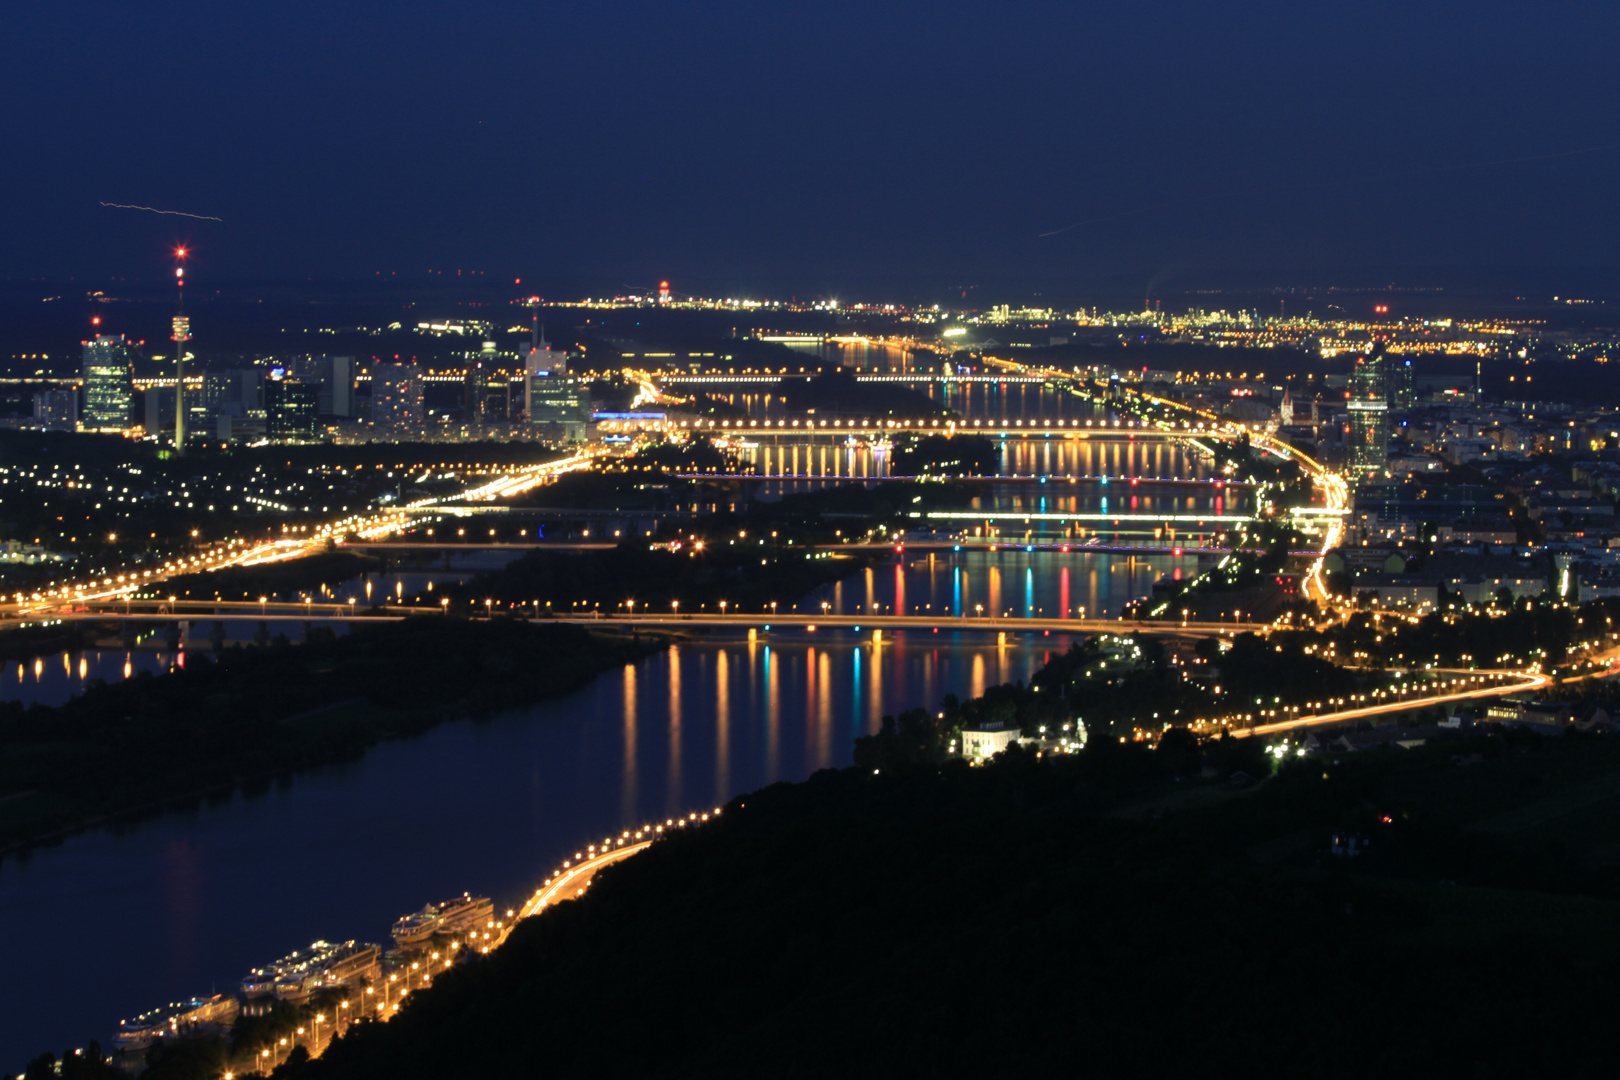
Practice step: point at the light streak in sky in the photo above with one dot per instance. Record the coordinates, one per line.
(154, 210)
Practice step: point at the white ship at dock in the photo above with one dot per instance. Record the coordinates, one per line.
(451, 918)
(306, 971)
(181, 1018)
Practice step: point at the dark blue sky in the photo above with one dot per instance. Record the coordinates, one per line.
(826, 148)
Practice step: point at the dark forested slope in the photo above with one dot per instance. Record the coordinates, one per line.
(994, 922)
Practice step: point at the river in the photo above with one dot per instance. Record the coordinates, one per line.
(117, 920)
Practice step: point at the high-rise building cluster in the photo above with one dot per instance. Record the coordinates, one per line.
(1369, 415)
(1381, 387)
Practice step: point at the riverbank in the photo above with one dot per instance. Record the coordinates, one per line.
(934, 921)
(27, 642)
(486, 806)
(243, 716)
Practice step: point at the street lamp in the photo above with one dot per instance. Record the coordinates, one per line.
(722, 609)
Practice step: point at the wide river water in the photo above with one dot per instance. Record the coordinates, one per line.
(117, 920)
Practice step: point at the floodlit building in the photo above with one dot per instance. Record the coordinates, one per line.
(109, 393)
(987, 741)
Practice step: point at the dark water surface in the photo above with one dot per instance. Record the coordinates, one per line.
(111, 923)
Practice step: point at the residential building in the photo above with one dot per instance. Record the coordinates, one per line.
(396, 395)
(57, 410)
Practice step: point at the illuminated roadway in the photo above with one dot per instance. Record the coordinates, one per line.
(239, 553)
(1515, 682)
(572, 881)
(1335, 491)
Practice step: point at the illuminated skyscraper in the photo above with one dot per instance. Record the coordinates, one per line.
(560, 406)
(540, 362)
(554, 401)
(1369, 415)
(109, 395)
(290, 408)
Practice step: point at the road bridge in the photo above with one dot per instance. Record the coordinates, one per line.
(769, 379)
(1054, 479)
(311, 611)
(880, 426)
(928, 622)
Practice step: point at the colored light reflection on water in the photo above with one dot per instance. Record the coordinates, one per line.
(1011, 583)
(186, 902)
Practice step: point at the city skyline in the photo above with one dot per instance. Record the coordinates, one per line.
(722, 540)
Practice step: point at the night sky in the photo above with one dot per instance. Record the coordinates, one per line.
(813, 149)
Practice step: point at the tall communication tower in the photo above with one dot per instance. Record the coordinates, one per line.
(182, 334)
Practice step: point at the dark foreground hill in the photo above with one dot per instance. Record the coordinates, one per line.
(994, 922)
